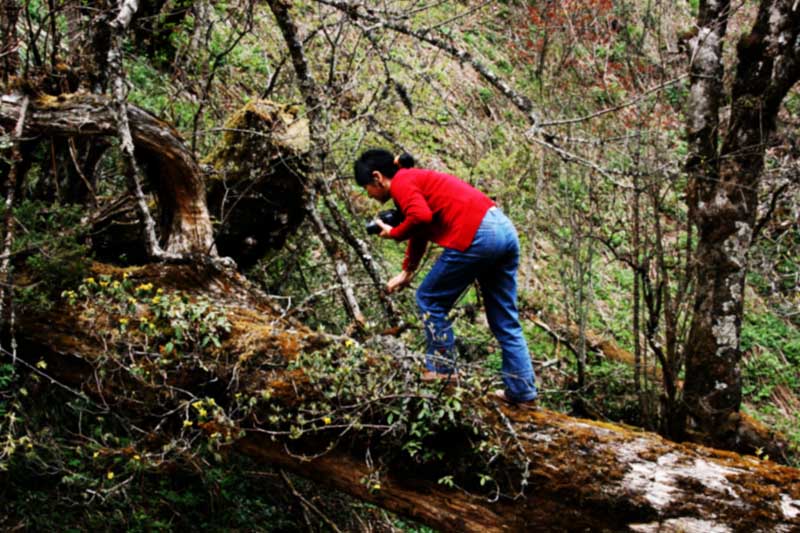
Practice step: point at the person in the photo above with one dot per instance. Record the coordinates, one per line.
(479, 242)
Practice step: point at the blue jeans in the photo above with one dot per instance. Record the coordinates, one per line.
(492, 259)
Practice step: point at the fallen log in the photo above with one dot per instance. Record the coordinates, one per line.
(185, 226)
(751, 435)
(284, 395)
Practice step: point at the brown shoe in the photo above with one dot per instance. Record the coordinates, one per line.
(430, 376)
(500, 394)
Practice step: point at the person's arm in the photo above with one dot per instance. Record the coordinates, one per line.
(403, 279)
(414, 251)
(415, 209)
(417, 212)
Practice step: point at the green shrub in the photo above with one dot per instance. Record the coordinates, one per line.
(49, 251)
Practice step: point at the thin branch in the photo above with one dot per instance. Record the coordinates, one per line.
(628, 103)
(5, 266)
(776, 195)
(132, 171)
(522, 102)
(307, 504)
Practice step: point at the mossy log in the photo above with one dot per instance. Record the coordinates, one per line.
(581, 475)
(185, 226)
(751, 435)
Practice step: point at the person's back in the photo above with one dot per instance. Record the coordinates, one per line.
(451, 209)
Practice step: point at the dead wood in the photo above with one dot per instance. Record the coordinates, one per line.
(185, 226)
(578, 474)
(256, 187)
(752, 436)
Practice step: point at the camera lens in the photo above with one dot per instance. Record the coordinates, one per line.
(373, 228)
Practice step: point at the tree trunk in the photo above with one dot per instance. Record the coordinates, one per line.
(554, 473)
(9, 56)
(15, 177)
(724, 197)
(171, 168)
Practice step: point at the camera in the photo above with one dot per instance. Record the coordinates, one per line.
(393, 217)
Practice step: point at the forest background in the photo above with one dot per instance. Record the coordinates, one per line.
(607, 131)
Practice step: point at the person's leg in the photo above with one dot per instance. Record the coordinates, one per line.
(449, 276)
(499, 290)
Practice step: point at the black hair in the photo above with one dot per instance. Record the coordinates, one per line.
(381, 160)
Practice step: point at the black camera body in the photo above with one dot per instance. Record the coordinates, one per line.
(392, 217)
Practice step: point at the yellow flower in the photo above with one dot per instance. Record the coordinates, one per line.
(376, 486)
(198, 404)
(95, 455)
(137, 457)
(187, 423)
(104, 284)
(349, 343)
(327, 420)
(216, 435)
(145, 287)
(202, 412)
(211, 402)
(90, 281)
(131, 300)
(41, 364)
(160, 291)
(156, 299)
(110, 475)
(123, 321)
(125, 275)
(115, 285)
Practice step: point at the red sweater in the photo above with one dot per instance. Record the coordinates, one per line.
(438, 207)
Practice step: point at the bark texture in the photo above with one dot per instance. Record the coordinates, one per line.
(178, 249)
(752, 436)
(9, 55)
(581, 475)
(723, 196)
(185, 226)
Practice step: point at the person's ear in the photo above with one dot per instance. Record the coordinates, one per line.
(380, 179)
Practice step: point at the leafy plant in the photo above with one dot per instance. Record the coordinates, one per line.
(49, 251)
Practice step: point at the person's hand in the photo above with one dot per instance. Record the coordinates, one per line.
(385, 228)
(399, 281)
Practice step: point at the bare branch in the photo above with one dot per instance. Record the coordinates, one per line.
(5, 270)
